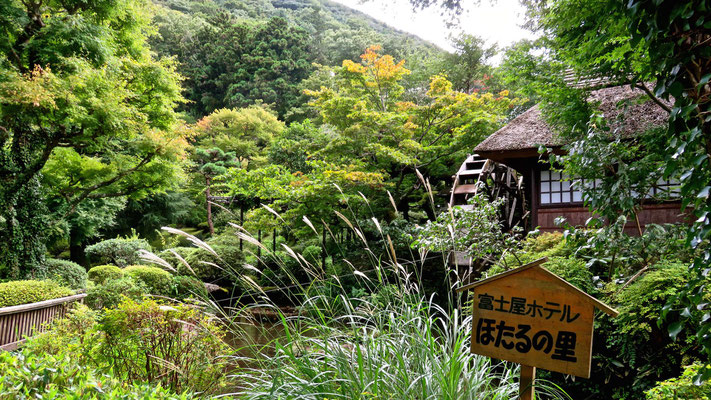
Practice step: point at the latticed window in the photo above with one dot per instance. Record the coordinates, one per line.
(557, 188)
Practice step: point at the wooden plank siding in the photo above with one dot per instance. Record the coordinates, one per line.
(576, 215)
(18, 322)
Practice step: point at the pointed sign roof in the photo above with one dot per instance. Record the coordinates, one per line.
(537, 264)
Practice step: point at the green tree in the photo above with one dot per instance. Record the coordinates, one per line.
(78, 77)
(210, 163)
(642, 41)
(379, 130)
(466, 67)
(230, 138)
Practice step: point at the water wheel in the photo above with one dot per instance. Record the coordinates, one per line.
(495, 180)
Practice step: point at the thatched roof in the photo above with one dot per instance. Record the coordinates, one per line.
(628, 112)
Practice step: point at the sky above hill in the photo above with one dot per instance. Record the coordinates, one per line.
(497, 23)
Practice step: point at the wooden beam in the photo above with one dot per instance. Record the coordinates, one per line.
(526, 388)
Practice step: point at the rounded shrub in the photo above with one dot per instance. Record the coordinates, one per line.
(103, 273)
(119, 251)
(112, 293)
(172, 259)
(66, 273)
(187, 286)
(14, 293)
(201, 261)
(158, 281)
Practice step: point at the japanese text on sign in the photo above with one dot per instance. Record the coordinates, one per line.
(520, 337)
(520, 306)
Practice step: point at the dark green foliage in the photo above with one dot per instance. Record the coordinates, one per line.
(113, 292)
(169, 256)
(158, 281)
(104, 273)
(66, 273)
(239, 53)
(188, 286)
(119, 251)
(229, 258)
(148, 215)
(14, 293)
(22, 230)
(230, 63)
(39, 376)
(79, 90)
(178, 346)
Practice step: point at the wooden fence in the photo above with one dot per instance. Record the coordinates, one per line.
(16, 322)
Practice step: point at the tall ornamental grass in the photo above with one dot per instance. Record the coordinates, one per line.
(394, 344)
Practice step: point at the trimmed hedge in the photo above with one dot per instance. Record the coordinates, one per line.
(66, 273)
(14, 293)
(103, 273)
(157, 280)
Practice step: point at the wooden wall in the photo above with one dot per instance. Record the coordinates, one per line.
(576, 216)
(17, 322)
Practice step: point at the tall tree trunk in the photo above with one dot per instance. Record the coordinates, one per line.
(209, 206)
(241, 223)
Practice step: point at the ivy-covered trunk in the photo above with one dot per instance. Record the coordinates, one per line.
(23, 232)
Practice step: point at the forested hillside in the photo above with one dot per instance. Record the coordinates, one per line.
(235, 53)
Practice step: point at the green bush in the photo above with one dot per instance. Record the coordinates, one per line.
(640, 304)
(187, 286)
(103, 273)
(171, 259)
(549, 244)
(312, 254)
(119, 251)
(74, 335)
(39, 376)
(633, 351)
(158, 281)
(176, 346)
(544, 241)
(200, 260)
(111, 293)
(14, 293)
(682, 387)
(573, 270)
(66, 273)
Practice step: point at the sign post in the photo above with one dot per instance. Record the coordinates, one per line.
(531, 316)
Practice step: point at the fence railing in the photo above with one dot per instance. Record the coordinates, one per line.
(16, 322)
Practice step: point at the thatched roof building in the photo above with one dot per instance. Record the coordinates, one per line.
(549, 193)
(627, 110)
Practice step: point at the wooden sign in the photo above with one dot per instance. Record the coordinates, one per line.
(533, 317)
